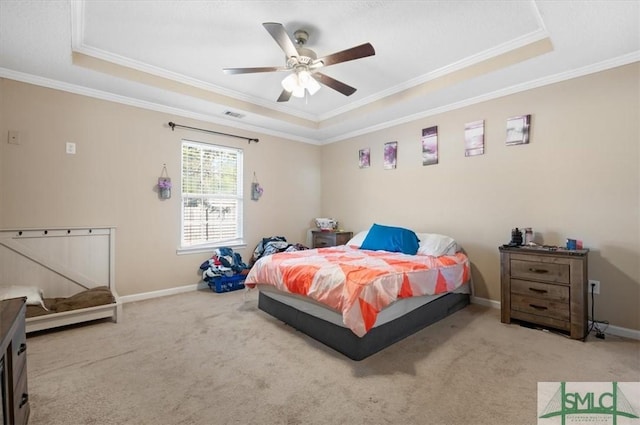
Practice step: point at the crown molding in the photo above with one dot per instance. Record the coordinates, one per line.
(173, 76)
(563, 76)
(517, 43)
(98, 94)
(467, 62)
(111, 97)
(78, 45)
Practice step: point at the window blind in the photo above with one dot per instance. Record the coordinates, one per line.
(212, 195)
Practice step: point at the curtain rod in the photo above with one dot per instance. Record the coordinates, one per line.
(248, 139)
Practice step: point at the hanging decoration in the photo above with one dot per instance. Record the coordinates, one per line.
(256, 189)
(164, 184)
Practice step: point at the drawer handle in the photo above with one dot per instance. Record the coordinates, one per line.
(24, 400)
(534, 270)
(538, 307)
(22, 349)
(539, 291)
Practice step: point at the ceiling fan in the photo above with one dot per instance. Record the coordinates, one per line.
(305, 64)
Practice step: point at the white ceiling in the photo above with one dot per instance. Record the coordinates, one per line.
(431, 56)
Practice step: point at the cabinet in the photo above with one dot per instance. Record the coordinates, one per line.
(545, 287)
(13, 362)
(322, 239)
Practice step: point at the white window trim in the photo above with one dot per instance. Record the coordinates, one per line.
(208, 247)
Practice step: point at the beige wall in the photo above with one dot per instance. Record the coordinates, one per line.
(111, 180)
(578, 178)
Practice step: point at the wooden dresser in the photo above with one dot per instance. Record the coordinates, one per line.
(13, 358)
(545, 287)
(322, 239)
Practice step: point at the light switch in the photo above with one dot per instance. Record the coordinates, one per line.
(71, 148)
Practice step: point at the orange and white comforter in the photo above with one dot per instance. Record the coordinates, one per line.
(359, 283)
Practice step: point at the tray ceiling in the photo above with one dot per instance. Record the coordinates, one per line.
(431, 56)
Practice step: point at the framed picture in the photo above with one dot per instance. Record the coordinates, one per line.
(474, 138)
(518, 130)
(430, 145)
(364, 158)
(390, 155)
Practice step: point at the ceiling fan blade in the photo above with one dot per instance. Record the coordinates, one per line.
(279, 34)
(334, 84)
(252, 70)
(357, 52)
(284, 96)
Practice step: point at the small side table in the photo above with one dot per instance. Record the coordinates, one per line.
(323, 239)
(546, 287)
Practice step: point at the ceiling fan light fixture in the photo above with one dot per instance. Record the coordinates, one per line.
(298, 92)
(297, 82)
(290, 82)
(312, 85)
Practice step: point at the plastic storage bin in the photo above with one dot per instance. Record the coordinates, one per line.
(227, 283)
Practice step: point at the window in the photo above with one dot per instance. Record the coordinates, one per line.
(211, 195)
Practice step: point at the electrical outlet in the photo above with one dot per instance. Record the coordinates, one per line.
(71, 148)
(596, 286)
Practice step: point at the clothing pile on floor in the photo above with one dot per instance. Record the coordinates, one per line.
(226, 263)
(223, 263)
(273, 244)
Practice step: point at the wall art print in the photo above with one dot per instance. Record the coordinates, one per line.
(518, 130)
(364, 158)
(430, 145)
(390, 155)
(474, 138)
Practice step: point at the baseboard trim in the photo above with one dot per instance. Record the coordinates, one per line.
(485, 302)
(162, 293)
(610, 329)
(618, 331)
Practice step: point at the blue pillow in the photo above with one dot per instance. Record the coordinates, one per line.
(393, 239)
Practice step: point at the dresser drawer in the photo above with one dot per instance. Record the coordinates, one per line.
(540, 307)
(21, 399)
(563, 325)
(538, 270)
(322, 241)
(19, 349)
(343, 237)
(13, 386)
(558, 293)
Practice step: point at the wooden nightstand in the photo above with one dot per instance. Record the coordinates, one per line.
(323, 239)
(545, 287)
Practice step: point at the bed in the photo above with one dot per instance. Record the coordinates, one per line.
(358, 299)
(66, 274)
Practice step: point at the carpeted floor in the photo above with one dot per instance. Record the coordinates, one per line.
(207, 358)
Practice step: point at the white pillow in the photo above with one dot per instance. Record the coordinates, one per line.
(358, 238)
(436, 245)
(34, 294)
(430, 243)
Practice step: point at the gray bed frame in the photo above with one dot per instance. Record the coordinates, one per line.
(346, 342)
